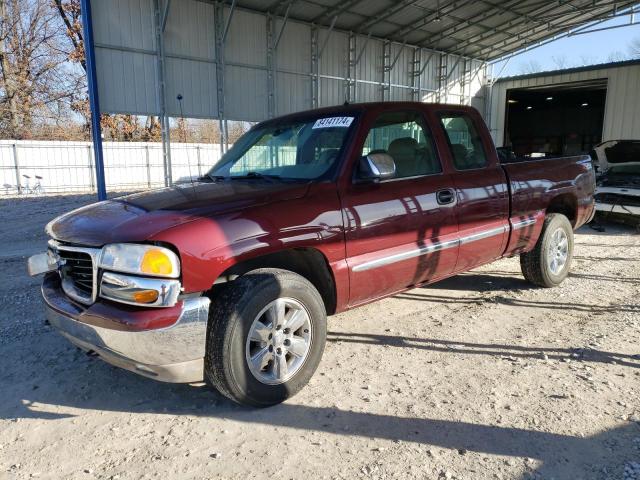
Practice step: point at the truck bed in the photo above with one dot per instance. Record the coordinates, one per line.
(534, 182)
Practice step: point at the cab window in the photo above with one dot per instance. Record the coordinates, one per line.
(465, 143)
(403, 136)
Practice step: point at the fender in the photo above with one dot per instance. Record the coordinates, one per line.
(211, 245)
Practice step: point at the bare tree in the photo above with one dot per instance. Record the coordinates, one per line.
(617, 56)
(70, 14)
(36, 84)
(589, 60)
(560, 61)
(531, 66)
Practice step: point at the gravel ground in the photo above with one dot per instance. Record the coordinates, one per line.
(478, 377)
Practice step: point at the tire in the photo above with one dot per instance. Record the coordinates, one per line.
(537, 265)
(255, 300)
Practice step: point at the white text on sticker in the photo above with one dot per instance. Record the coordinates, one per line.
(343, 122)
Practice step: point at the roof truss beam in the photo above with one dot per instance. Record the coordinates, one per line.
(522, 36)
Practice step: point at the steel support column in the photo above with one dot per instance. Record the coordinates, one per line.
(385, 89)
(273, 41)
(160, 22)
(220, 30)
(465, 81)
(442, 78)
(315, 68)
(416, 75)
(94, 103)
(271, 69)
(350, 81)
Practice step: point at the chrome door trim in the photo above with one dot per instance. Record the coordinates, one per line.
(398, 257)
(482, 235)
(523, 223)
(435, 247)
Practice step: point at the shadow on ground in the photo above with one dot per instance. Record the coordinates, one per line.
(495, 350)
(89, 384)
(517, 302)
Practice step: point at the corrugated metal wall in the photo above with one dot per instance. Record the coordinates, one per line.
(622, 108)
(128, 79)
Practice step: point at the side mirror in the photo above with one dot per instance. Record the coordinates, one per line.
(375, 167)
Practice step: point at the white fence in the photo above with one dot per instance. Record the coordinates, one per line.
(67, 167)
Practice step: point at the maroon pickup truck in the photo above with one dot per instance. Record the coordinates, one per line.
(230, 278)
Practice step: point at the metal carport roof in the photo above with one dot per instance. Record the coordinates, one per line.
(479, 29)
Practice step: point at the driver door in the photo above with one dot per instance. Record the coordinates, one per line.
(401, 231)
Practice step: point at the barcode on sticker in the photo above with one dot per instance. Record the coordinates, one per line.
(333, 122)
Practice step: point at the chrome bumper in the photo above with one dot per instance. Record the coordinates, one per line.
(174, 354)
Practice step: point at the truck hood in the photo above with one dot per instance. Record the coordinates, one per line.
(137, 217)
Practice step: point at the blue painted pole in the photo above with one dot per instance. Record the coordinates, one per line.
(94, 103)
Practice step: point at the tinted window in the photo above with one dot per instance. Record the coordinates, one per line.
(465, 143)
(403, 136)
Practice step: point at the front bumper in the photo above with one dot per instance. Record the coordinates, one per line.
(174, 353)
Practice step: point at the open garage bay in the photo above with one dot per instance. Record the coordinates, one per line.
(480, 376)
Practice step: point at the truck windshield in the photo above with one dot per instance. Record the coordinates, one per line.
(304, 150)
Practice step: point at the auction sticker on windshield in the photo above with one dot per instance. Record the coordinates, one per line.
(333, 122)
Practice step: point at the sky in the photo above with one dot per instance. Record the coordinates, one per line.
(578, 50)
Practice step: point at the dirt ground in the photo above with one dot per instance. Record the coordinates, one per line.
(478, 377)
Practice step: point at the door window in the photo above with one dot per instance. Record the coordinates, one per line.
(465, 143)
(403, 136)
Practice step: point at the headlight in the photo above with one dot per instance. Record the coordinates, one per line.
(141, 259)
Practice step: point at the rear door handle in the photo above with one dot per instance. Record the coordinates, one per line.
(445, 197)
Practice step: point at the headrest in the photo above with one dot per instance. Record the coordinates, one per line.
(460, 153)
(328, 156)
(403, 146)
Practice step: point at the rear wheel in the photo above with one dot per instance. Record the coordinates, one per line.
(265, 337)
(548, 264)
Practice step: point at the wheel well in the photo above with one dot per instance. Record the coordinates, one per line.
(565, 204)
(306, 262)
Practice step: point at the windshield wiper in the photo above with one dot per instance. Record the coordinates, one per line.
(213, 178)
(255, 175)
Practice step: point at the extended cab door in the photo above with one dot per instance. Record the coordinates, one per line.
(401, 231)
(482, 207)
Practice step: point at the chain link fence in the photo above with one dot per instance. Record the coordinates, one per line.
(47, 167)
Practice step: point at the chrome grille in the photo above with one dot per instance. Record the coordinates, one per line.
(78, 268)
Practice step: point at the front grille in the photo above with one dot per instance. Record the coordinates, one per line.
(78, 268)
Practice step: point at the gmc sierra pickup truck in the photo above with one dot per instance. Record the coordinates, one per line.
(230, 278)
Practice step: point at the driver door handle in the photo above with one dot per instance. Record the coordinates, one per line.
(446, 196)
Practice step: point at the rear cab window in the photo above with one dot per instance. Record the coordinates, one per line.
(405, 137)
(465, 143)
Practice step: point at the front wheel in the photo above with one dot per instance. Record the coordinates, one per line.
(265, 337)
(548, 264)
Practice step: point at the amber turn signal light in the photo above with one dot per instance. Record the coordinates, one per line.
(145, 296)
